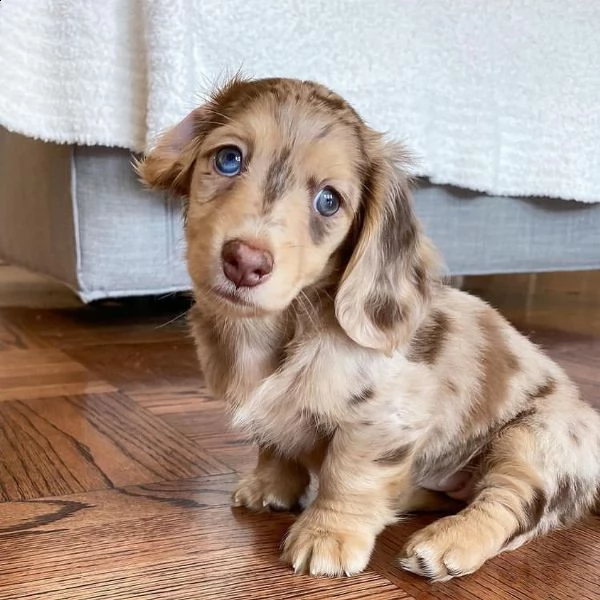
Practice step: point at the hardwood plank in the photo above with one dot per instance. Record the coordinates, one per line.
(114, 505)
(560, 566)
(204, 420)
(132, 320)
(193, 412)
(71, 444)
(154, 524)
(44, 373)
(13, 337)
(240, 457)
(145, 366)
(177, 550)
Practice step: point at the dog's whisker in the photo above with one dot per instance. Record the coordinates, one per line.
(173, 320)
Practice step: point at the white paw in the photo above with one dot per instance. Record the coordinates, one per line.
(446, 549)
(260, 495)
(326, 552)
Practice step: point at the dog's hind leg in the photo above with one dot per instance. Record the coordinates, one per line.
(525, 490)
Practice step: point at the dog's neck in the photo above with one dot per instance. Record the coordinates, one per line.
(237, 353)
(249, 349)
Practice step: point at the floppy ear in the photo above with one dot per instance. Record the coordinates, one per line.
(385, 288)
(169, 164)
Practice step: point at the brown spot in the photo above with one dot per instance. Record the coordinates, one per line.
(429, 339)
(521, 418)
(421, 280)
(425, 569)
(396, 456)
(451, 387)
(543, 390)
(569, 492)
(574, 435)
(363, 396)
(454, 572)
(321, 426)
(325, 131)
(512, 362)
(332, 101)
(385, 218)
(384, 312)
(313, 186)
(279, 176)
(531, 514)
(498, 365)
(478, 447)
(454, 457)
(398, 228)
(280, 358)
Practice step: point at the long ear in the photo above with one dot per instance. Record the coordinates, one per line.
(385, 289)
(169, 164)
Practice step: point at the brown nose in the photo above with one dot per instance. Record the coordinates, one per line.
(245, 265)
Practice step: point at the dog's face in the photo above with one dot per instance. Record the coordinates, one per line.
(280, 177)
(273, 195)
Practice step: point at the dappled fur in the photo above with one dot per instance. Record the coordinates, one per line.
(352, 363)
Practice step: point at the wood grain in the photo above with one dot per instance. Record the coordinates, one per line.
(177, 541)
(134, 321)
(204, 420)
(44, 373)
(116, 466)
(147, 366)
(63, 445)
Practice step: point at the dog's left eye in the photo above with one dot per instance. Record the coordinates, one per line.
(327, 202)
(228, 161)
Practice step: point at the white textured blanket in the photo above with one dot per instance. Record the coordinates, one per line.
(501, 97)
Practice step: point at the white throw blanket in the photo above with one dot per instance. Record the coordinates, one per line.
(501, 97)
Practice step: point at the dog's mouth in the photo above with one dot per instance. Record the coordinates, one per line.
(231, 296)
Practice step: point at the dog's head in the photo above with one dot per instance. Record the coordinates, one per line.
(287, 187)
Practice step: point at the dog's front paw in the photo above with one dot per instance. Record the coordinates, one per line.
(319, 550)
(450, 547)
(261, 493)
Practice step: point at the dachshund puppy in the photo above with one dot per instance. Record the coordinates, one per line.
(322, 322)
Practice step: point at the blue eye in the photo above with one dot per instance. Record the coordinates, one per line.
(327, 202)
(228, 161)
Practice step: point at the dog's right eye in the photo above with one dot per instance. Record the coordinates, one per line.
(228, 161)
(327, 202)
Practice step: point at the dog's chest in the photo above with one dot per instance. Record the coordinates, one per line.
(289, 397)
(301, 401)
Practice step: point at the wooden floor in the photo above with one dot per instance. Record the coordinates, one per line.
(116, 466)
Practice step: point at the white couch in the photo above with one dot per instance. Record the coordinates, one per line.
(500, 106)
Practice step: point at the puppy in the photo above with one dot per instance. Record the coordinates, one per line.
(321, 320)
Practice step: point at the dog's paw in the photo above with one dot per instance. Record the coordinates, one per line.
(259, 493)
(450, 547)
(321, 551)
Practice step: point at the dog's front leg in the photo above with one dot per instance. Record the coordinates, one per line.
(276, 483)
(357, 498)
